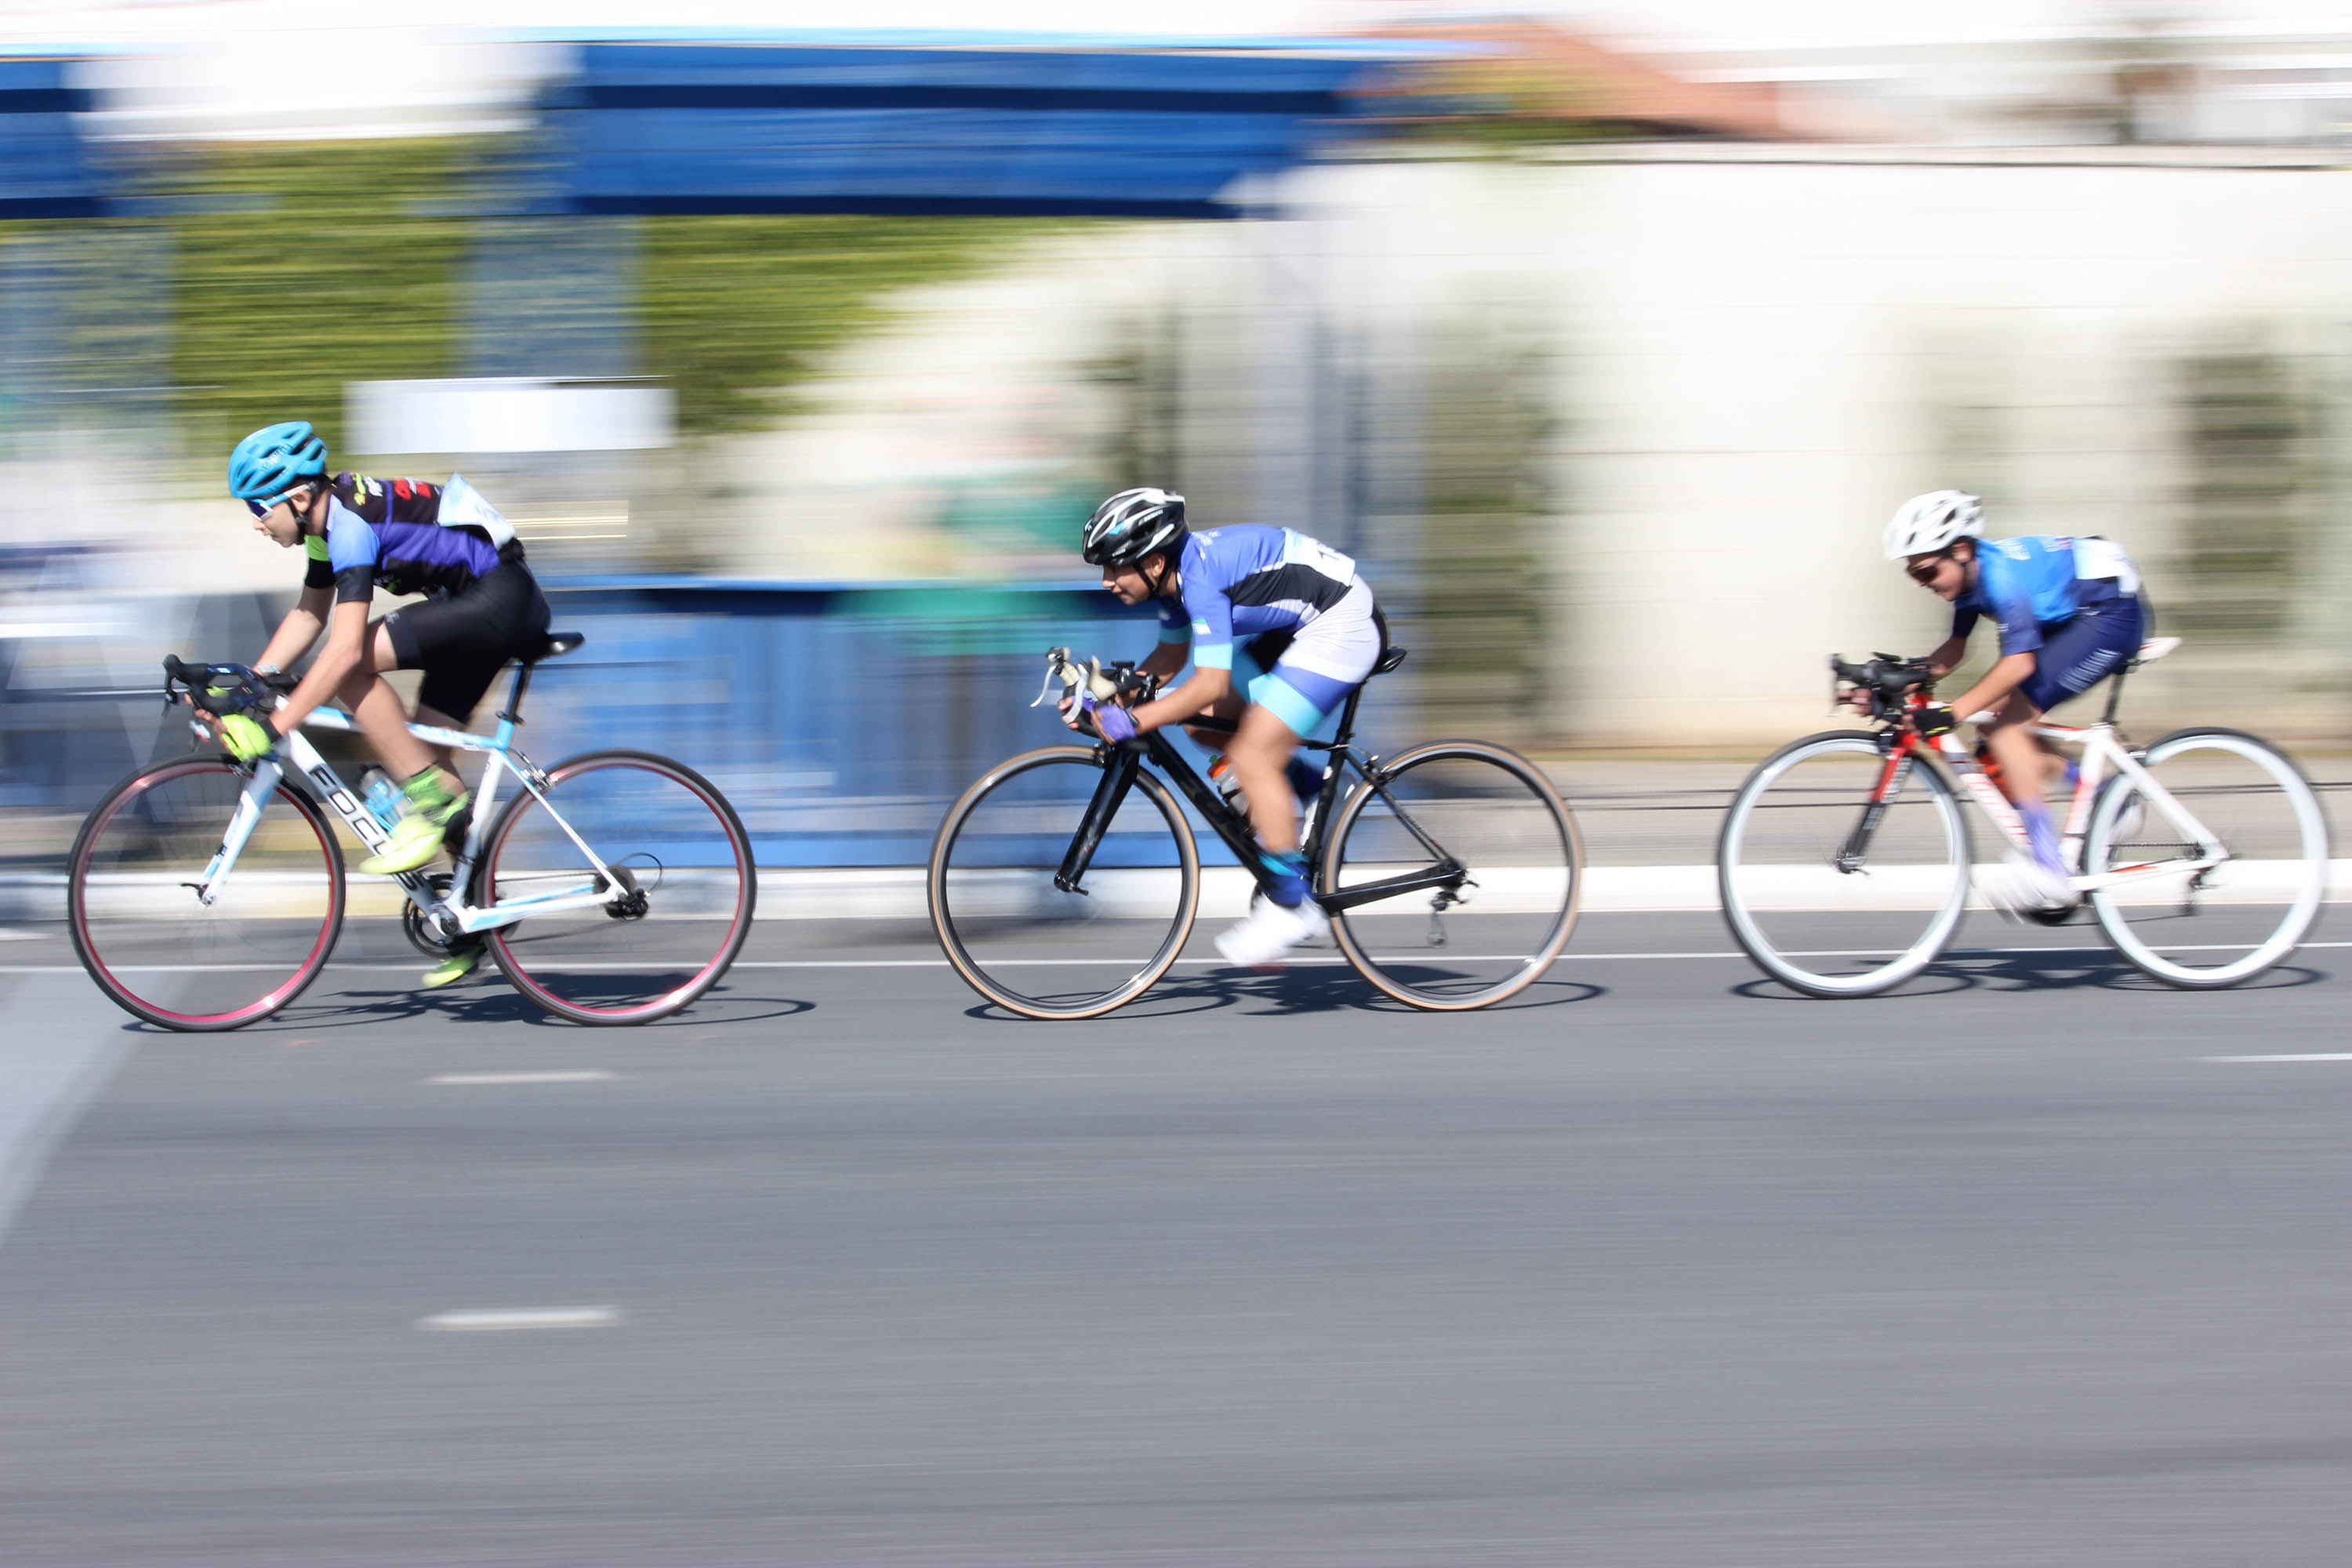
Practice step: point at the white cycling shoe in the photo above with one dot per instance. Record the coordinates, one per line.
(2025, 886)
(1272, 930)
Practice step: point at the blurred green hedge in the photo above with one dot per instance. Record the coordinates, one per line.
(297, 268)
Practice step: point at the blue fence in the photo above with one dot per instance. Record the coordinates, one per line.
(840, 720)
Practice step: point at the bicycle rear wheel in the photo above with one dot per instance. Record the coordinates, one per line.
(1825, 899)
(132, 910)
(2214, 928)
(1038, 949)
(687, 887)
(1486, 821)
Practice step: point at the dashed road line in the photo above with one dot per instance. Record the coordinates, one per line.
(492, 1080)
(493, 1319)
(2290, 1056)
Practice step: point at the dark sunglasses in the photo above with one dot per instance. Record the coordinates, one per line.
(1924, 572)
(264, 508)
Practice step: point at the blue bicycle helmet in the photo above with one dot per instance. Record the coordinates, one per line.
(274, 459)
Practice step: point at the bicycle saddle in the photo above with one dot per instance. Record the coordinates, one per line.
(555, 644)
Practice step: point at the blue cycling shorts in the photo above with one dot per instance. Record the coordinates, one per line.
(2077, 654)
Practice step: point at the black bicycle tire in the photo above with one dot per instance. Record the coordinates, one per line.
(2102, 821)
(1350, 810)
(1893, 974)
(77, 906)
(943, 918)
(670, 1003)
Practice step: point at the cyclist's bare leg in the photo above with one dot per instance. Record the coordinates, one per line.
(382, 719)
(1259, 751)
(1228, 708)
(2025, 764)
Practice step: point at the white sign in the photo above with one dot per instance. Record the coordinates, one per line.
(506, 414)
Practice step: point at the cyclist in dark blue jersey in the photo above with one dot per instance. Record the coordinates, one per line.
(483, 608)
(1279, 629)
(2069, 615)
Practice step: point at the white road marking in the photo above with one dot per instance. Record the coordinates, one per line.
(489, 1321)
(579, 1075)
(1035, 963)
(2308, 1057)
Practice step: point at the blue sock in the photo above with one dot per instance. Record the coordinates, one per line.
(2042, 833)
(1289, 871)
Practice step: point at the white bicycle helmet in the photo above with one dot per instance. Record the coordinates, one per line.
(1925, 524)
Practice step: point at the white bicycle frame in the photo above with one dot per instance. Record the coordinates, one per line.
(2101, 751)
(597, 891)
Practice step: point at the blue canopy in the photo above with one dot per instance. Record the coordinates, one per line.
(650, 127)
(45, 171)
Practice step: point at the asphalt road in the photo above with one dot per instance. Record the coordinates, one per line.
(1657, 1266)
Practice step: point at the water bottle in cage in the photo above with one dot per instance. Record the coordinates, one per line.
(382, 796)
(1228, 782)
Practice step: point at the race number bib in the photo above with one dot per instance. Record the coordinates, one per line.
(1297, 550)
(2104, 558)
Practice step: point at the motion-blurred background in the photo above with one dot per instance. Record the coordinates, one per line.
(1606, 339)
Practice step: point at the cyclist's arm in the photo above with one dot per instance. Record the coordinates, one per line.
(1167, 659)
(1993, 687)
(1947, 659)
(298, 630)
(346, 648)
(1187, 701)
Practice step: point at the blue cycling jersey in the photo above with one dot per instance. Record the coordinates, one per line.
(1242, 581)
(389, 530)
(2034, 584)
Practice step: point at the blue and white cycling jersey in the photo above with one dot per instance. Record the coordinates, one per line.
(1239, 581)
(2033, 584)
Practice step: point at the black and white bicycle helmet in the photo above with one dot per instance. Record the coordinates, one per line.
(1131, 525)
(1925, 524)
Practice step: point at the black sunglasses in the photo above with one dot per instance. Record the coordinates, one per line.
(1924, 572)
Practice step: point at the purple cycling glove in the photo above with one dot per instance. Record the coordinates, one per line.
(1113, 722)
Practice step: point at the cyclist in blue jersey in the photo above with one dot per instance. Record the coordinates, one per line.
(2068, 612)
(1278, 629)
(483, 609)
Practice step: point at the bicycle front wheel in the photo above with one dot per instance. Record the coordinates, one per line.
(132, 904)
(1487, 867)
(1837, 878)
(1040, 950)
(2178, 919)
(681, 911)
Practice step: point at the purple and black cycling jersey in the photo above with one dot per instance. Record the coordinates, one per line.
(389, 532)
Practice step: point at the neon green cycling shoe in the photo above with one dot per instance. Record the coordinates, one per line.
(413, 842)
(430, 808)
(454, 968)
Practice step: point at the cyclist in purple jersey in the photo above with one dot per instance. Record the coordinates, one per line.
(1279, 630)
(2069, 615)
(483, 608)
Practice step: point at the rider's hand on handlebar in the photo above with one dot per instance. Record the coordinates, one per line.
(1933, 721)
(247, 738)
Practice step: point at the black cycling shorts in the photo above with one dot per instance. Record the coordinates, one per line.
(463, 641)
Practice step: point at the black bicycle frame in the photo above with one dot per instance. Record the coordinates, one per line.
(1232, 828)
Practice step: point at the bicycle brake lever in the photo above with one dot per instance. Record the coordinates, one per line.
(1057, 668)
